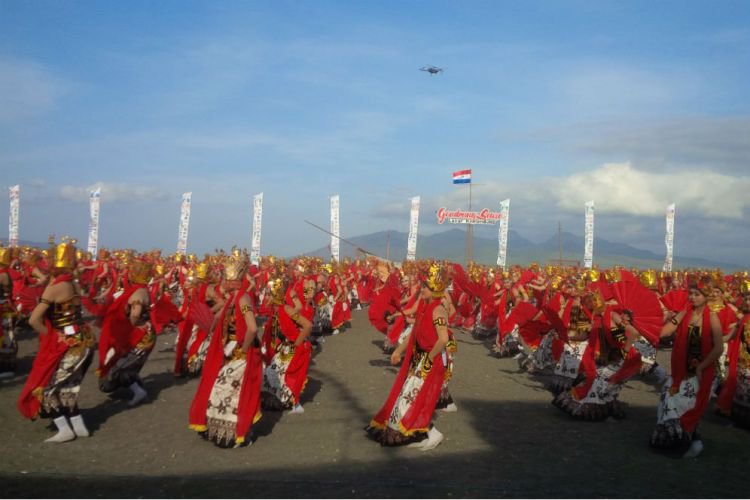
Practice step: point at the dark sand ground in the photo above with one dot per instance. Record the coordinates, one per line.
(506, 440)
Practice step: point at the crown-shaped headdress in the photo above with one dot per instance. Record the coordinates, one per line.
(140, 271)
(6, 255)
(437, 280)
(65, 254)
(648, 279)
(235, 265)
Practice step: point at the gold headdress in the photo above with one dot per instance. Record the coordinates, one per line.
(437, 280)
(555, 282)
(597, 301)
(140, 271)
(6, 255)
(234, 266)
(648, 279)
(201, 270)
(277, 291)
(745, 286)
(65, 254)
(613, 275)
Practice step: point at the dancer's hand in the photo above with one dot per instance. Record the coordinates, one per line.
(395, 357)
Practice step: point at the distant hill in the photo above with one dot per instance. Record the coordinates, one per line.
(25, 243)
(451, 245)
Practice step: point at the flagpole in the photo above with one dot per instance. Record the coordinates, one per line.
(469, 234)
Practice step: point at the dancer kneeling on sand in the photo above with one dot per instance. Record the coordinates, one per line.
(65, 351)
(407, 414)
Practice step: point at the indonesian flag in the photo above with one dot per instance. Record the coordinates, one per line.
(462, 177)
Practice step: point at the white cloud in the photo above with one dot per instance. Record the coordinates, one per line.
(113, 192)
(620, 188)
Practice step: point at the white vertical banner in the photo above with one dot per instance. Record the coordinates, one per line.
(182, 233)
(588, 255)
(257, 220)
(669, 238)
(502, 253)
(335, 227)
(94, 198)
(15, 203)
(411, 245)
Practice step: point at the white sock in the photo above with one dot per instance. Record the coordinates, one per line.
(64, 432)
(79, 427)
(434, 438)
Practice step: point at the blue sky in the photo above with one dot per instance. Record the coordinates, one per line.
(632, 104)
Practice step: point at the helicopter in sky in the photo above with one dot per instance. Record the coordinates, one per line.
(432, 70)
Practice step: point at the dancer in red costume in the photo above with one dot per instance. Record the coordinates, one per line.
(227, 402)
(407, 414)
(65, 352)
(8, 344)
(734, 397)
(207, 301)
(340, 301)
(127, 336)
(697, 346)
(285, 376)
(402, 319)
(611, 357)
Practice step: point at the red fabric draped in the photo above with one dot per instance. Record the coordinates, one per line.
(381, 418)
(384, 302)
(296, 374)
(201, 334)
(249, 403)
(420, 413)
(729, 387)
(211, 367)
(116, 331)
(163, 311)
(587, 367)
(51, 351)
(691, 418)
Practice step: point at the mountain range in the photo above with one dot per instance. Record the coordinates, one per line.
(451, 245)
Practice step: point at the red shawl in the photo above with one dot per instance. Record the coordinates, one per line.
(728, 389)
(690, 419)
(418, 418)
(116, 331)
(214, 362)
(51, 351)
